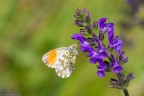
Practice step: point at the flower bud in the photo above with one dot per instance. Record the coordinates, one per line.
(88, 17)
(95, 24)
(101, 36)
(83, 32)
(79, 23)
(129, 77)
(122, 58)
(89, 29)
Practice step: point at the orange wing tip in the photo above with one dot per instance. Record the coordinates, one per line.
(52, 57)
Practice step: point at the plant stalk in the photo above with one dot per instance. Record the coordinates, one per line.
(121, 80)
(126, 92)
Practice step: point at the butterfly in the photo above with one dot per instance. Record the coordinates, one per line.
(62, 59)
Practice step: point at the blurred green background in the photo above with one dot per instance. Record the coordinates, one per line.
(30, 28)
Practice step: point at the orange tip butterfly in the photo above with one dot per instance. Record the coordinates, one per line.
(62, 59)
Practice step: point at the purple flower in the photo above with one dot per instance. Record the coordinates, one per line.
(101, 49)
(117, 68)
(101, 73)
(100, 53)
(114, 42)
(102, 25)
(110, 27)
(94, 57)
(93, 54)
(85, 46)
(79, 37)
(109, 58)
(101, 68)
(117, 44)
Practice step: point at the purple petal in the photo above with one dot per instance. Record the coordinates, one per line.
(101, 73)
(117, 68)
(118, 45)
(101, 64)
(102, 22)
(102, 55)
(93, 60)
(110, 25)
(96, 57)
(110, 32)
(78, 37)
(86, 47)
(91, 53)
(101, 49)
(102, 52)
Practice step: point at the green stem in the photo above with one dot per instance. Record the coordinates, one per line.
(126, 92)
(121, 80)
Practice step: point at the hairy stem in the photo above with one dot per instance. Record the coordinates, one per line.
(126, 92)
(121, 80)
